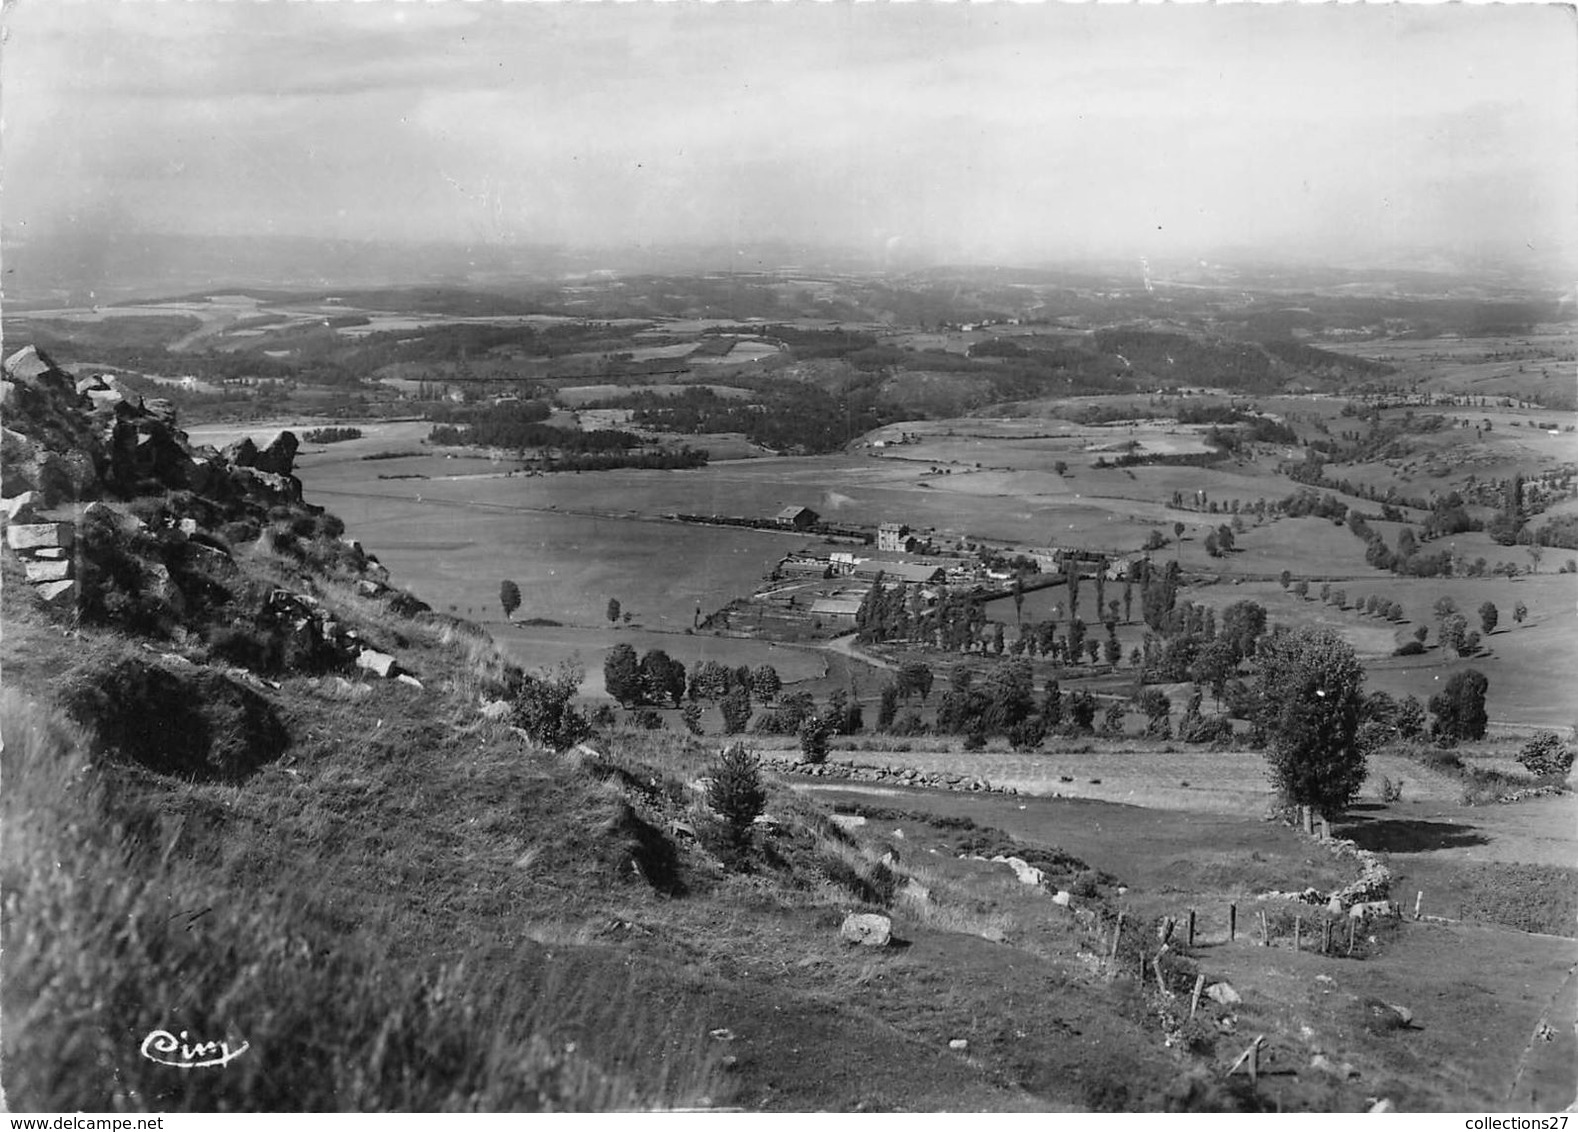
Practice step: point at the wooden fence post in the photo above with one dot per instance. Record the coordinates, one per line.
(1191, 927)
(1194, 999)
(1325, 938)
(1418, 900)
(1298, 931)
(1232, 922)
(1117, 936)
(1265, 931)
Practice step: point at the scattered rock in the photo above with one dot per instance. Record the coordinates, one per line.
(495, 709)
(722, 1034)
(57, 593)
(993, 934)
(1063, 897)
(867, 929)
(407, 678)
(848, 821)
(30, 536)
(1405, 1015)
(1024, 870)
(378, 663)
(1383, 1105)
(1223, 993)
(1326, 980)
(19, 508)
(959, 1044)
(48, 571)
(1374, 908)
(1323, 1063)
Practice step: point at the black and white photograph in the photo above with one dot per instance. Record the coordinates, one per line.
(629, 558)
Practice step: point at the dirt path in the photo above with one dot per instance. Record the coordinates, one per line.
(845, 646)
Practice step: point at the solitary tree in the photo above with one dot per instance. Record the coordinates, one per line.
(1286, 578)
(509, 598)
(887, 707)
(622, 674)
(766, 683)
(613, 610)
(735, 793)
(1520, 612)
(1536, 552)
(914, 677)
(1312, 692)
(1488, 616)
(1459, 708)
(736, 709)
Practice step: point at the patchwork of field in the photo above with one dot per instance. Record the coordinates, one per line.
(1521, 366)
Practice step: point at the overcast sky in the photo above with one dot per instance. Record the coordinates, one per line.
(984, 131)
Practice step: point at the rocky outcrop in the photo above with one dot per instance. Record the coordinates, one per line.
(83, 458)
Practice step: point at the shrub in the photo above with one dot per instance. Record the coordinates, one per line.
(544, 709)
(645, 719)
(1391, 791)
(813, 733)
(1409, 648)
(1545, 756)
(735, 792)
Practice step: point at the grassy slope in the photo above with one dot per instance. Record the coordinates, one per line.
(411, 909)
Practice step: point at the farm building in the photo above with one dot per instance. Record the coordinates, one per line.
(799, 518)
(803, 566)
(1046, 557)
(1120, 568)
(896, 537)
(841, 609)
(917, 572)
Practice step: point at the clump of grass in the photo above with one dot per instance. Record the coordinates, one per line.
(1531, 898)
(1484, 786)
(96, 960)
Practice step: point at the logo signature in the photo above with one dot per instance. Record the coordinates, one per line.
(165, 1048)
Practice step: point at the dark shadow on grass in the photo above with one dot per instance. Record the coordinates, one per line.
(1410, 835)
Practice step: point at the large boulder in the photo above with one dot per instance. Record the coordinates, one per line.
(29, 364)
(866, 929)
(280, 456)
(267, 488)
(242, 453)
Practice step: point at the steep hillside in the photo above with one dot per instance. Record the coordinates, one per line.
(259, 798)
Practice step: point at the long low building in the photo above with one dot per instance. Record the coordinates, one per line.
(836, 608)
(919, 573)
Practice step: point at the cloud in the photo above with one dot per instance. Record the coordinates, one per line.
(1012, 130)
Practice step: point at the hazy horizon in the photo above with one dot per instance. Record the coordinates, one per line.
(902, 134)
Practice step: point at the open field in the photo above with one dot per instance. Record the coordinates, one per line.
(1478, 992)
